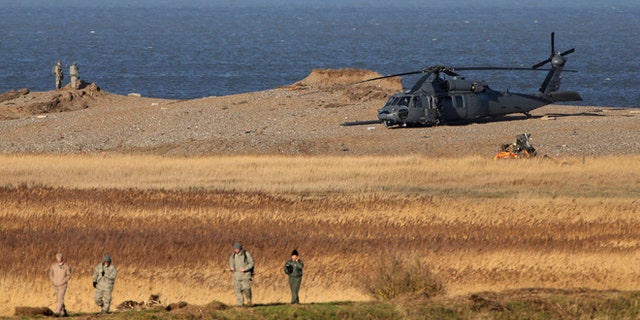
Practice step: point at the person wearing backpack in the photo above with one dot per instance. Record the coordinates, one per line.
(241, 264)
(57, 71)
(293, 268)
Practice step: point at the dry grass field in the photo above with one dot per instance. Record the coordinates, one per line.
(169, 222)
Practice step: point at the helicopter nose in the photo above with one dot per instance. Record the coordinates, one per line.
(383, 115)
(389, 118)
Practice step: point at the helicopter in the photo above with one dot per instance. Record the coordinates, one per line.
(440, 100)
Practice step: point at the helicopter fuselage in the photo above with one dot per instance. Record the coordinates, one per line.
(454, 100)
(438, 101)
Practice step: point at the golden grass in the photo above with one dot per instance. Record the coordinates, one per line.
(169, 223)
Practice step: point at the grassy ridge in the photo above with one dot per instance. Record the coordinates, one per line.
(478, 225)
(520, 304)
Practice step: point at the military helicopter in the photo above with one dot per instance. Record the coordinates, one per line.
(438, 101)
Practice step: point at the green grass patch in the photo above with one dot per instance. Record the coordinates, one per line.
(517, 304)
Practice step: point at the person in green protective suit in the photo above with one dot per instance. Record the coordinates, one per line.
(241, 264)
(104, 278)
(75, 75)
(57, 71)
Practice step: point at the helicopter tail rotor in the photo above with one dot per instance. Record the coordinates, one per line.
(553, 53)
(551, 84)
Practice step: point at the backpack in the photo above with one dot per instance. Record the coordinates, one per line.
(245, 261)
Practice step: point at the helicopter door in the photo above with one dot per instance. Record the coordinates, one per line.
(431, 112)
(460, 106)
(453, 108)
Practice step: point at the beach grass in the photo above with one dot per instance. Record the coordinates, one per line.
(169, 222)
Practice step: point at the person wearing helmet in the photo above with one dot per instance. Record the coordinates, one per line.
(241, 264)
(104, 277)
(57, 71)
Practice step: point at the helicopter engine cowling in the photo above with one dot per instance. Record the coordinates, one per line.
(478, 87)
(459, 85)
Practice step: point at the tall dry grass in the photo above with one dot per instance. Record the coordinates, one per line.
(169, 223)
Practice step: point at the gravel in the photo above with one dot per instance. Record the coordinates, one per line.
(301, 119)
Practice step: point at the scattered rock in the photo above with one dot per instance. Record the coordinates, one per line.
(129, 305)
(153, 302)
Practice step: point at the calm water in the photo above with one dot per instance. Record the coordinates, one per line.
(211, 48)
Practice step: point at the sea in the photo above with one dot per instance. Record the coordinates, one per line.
(199, 48)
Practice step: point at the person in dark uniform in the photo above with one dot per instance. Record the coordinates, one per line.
(293, 268)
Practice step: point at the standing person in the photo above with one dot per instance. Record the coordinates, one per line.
(60, 274)
(57, 70)
(241, 264)
(104, 277)
(293, 268)
(73, 71)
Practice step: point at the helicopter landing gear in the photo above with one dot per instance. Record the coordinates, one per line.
(527, 114)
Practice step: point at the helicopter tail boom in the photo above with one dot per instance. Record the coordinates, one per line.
(551, 84)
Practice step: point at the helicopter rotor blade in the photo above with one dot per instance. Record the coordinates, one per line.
(540, 64)
(420, 82)
(394, 75)
(508, 69)
(427, 70)
(450, 72)
(572, 50)
(553, 52)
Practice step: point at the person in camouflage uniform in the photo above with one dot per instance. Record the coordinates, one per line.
(73, 72)
(104, 277)
(60, 274)
(241, 264)
(57, 70)
(293, 268)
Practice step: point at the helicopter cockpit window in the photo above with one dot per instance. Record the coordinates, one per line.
(390, 101)
(400, 101)
(394, 101)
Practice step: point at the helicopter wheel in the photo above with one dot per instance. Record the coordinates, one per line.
(527, 114)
